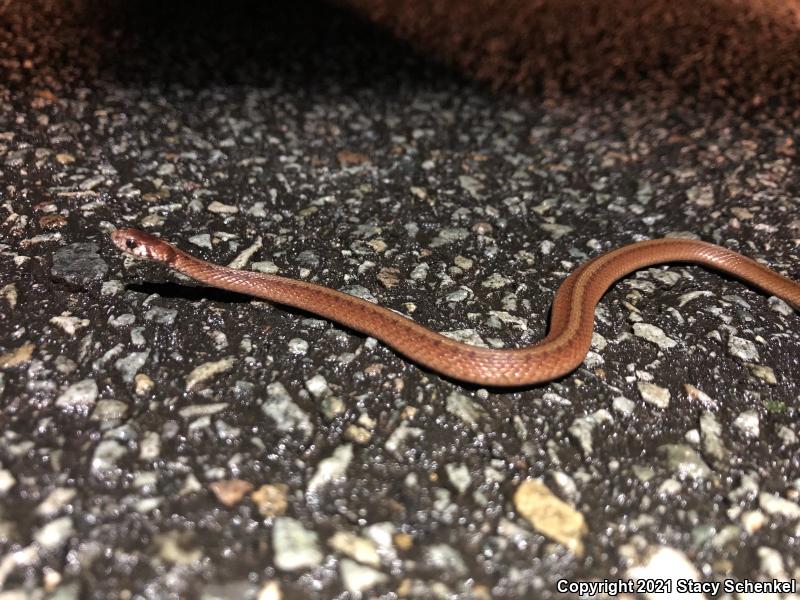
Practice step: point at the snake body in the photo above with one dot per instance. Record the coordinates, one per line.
(559, 353)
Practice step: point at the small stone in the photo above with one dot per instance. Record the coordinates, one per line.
(653, 334)
(226, 431)
(753, 520)
(82, 394)
(129, 365)
(17, 356)
(357, 578)
(582, 427)
(471, 185)
(207, 370)
(106, 454)
(9, 293)
(297, 346)
(669, 487)
(331, 468)
(359, 291)
(445, 558)
(308, 259)
(150, 446)
(772, 563)
(7, 481)
(685, 461)
(271, 500)
(643, 473)
(692, 436)
(241, 259)
(288, 416)
(507, 319)
(403, 541)
(202, 410)
(775, 505)
(55, 501)
(265, 266)
(711, 436)
(389, 277)
(357, 434)
(361, 549)
(599, 343)
(109, 410)
(466, 336)
(779, 306)
(55, 534)
(201, 240)
(764, 373)
(459, 476)
(348, 158)
(137, 336)
(482, 228)
(222, 209)
(684, 299)
(698, 394)
(420, 272)
(556, 230)
(69, 323)
(459, 295)
(463, 262)
(787, 436)
(666, 563)
(748, 423)
(448, 236)
(162, 316)
(230, 491)
(295, 546)
(654, 394)
(146, 505)
(742, 349)
(317, 386)
(142, 384)
(623, 405)
(740, 212)
(124, 320)
(464, 408)
(112, 287)
(379, 246)
(701, 195)
(79, 264)
(175, 547)
(367, 421)
(398, 440)
(332, 406)
(271, 590)
(550, 515)
(52, 222)
(495, 281)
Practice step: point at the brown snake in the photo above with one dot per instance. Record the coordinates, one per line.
(561, 351)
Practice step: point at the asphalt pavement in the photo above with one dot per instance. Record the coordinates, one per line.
(165, 440)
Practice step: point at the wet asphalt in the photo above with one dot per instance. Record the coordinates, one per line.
(165, 440)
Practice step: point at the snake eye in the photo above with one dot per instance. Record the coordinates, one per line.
(130, 243)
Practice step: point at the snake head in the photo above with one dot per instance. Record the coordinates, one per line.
(144, 245)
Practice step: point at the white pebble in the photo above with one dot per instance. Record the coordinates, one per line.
(80, 394)
(295, 546)
(654, 394)
(748, 423)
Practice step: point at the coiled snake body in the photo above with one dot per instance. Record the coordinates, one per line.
(560, 352)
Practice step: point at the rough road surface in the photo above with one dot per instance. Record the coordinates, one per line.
(162, 440)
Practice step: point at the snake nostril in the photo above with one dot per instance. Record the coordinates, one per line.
(130, 243)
